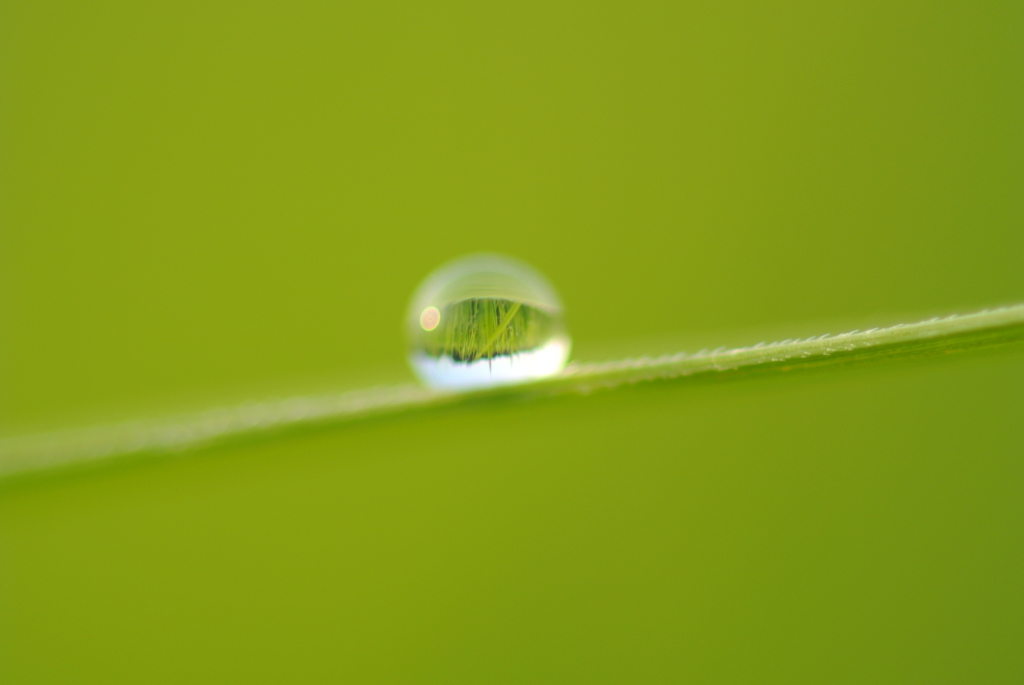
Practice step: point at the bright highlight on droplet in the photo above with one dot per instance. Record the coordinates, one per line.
(485, 320)
(430, 318)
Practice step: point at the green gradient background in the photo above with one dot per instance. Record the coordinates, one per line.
(201, 202)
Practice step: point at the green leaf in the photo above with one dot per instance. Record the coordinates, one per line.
(939, 336)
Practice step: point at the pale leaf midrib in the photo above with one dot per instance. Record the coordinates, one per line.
(995, 327)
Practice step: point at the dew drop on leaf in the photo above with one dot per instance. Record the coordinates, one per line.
(485, 320)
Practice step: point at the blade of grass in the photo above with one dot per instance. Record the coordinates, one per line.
(956, 333)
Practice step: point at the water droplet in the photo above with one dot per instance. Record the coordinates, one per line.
(485, 320)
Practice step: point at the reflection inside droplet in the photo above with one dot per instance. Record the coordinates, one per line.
(485, 320)
(430, 318)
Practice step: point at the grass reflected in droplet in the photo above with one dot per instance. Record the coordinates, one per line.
(485, 320)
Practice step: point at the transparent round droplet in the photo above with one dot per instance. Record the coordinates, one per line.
(485, 320)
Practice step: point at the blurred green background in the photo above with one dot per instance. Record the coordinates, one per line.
(206, 202)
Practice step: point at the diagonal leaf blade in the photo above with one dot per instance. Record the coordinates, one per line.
(987, 329)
